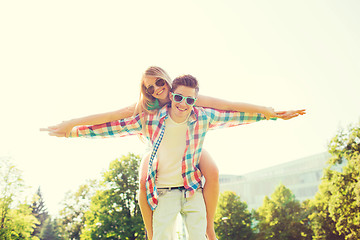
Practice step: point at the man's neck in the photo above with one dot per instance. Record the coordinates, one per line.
(178, 119)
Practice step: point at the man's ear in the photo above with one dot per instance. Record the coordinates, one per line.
(170, 96)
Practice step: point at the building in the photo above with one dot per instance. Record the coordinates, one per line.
(301, 176)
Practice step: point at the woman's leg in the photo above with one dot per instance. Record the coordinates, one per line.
(211, 190)
(146, 212)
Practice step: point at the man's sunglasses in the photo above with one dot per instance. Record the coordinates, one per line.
(159, 82)
(178, 98)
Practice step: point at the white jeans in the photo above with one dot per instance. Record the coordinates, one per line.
(192, 210)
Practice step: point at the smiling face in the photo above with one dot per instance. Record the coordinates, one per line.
(157, 87)
(180, 111)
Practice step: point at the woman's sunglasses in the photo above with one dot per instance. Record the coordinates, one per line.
(159, 82)
(178, 98)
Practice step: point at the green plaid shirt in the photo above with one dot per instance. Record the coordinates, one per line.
(199, 123)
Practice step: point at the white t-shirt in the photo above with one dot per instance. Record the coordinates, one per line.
(170, 154)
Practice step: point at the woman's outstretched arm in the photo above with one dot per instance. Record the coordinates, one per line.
(64, 128)
(221, 104)
(268, 112)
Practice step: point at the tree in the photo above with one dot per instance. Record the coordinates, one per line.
(322, 224)
(21, 223)
(114, 212)
(232, 220)
(10, 184)
(16, 220)
(50, 231)
(339, 199)
(39, 211)
(72, 216)
(282, 217)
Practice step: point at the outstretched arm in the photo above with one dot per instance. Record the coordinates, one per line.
(63, 129)
(117, 128)
(220, 119)
(220, 104)
(268, 112)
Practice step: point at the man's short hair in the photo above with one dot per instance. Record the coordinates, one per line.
(187, 81)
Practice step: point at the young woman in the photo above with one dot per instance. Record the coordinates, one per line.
(154, 94)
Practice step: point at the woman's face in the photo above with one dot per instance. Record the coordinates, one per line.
(156, 87)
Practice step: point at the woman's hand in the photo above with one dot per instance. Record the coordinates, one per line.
(286, 115)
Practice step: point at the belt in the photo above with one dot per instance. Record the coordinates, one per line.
(174, 188)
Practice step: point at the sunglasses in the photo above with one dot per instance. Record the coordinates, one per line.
(159, 82)
(189, 100)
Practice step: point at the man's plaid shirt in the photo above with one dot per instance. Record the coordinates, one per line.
(200, 121)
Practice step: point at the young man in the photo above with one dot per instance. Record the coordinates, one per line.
(177, 133)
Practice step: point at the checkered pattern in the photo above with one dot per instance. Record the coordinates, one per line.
(152, 194)
(121, 128)
(200, 122)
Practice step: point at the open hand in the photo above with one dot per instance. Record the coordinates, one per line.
(61, 130)
(286, 115)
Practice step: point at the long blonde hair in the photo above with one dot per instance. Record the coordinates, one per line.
(146, 100)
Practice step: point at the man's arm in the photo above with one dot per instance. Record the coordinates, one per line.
(220, 119)
(268, 112)
(119, 128)
(64, 128)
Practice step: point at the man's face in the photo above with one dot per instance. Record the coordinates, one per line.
(180, 110)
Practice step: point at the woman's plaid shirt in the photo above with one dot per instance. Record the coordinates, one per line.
(200, 121)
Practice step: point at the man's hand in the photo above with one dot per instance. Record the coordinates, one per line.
(61, 130)
(286, 115)
(269, 112)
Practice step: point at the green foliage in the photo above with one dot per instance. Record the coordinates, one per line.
(338, 200)
(11, 184)
(114, 212)
(72, 216)
(16, 220)
(39, 211)
(282, 217)
(50, 231)
(20, 223)
(232, 220)
(322, 224)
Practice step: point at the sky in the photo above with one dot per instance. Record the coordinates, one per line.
(65, 59)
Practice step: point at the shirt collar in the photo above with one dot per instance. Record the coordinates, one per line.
(164, 111)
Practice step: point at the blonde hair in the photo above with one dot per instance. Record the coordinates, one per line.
(146, 100)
